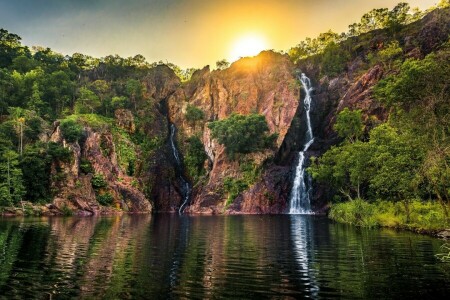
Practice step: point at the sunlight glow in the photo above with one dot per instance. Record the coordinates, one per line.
(249, 45)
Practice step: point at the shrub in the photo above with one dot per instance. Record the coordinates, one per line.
(233, 187)
(194, 113)
(195, 157)
(71, 130)
(105, 199)
(86, 166)
(98, 181)
(242, 134)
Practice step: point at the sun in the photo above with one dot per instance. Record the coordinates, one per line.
(249, 45)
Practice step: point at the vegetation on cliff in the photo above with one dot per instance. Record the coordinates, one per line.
(405, 161)
(242, 134)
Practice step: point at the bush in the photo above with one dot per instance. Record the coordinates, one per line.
(98, 181)
(71, 130)
(86, 166)
(412, 214)
(194, 113)
(233, 187)
(242, 134)
(105, 199)
(195, 157)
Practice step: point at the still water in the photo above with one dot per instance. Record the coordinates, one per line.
(211, 257)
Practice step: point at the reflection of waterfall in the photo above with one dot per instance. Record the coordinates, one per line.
(302, 238)
(300, 196)
(185, 187)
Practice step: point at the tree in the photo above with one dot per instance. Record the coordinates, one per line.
(71, 130)
(87, 101)
(390, 53)
(242, 134)
(194, 114)
(101, 88)
(134, 90)
(334, 59)
(11, 184)
(222, 64)
(349, 124)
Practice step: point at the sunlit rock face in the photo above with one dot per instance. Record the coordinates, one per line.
(265, 84)
(74, 188)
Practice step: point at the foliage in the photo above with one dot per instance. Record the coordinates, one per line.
(98, 181)
(349, 124)
(334, 59)
(71, 130)
(391, 52)
(11, 183)
(195, 157)
(126, 151)
(87, 102)
(222, 64)
(194, 114)
(86, 166)
(250, 173)
(105, 199)
(416, 215)
(406, 158)
(242, 134)
(233, 187)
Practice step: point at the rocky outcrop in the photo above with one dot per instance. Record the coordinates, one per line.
(265, 84)
(74, 188)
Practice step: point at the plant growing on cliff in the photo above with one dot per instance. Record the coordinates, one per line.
(105, 199)
(98, 181)
(194, 114)
(195, 157)
(71, 130)
(243, 134)
(349, 124)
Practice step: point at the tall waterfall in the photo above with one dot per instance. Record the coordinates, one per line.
(186, 188)
(301, 191)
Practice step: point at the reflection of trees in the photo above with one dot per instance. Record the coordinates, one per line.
(10, 242)
(212, 256)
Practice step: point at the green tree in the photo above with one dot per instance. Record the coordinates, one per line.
(195, 157)
(11, 183)
(194, 114)
(222, 64)
(87, 101)
(334, 59)
(134, 90)
(349, 124)
(71, 130)
(242, 134)
(391, 52)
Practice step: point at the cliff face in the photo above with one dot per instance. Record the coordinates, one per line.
(75, 188)
(265, 84)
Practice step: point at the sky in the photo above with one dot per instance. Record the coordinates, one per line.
(188, 33)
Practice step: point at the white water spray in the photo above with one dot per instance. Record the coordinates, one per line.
(184, 183)
(300, 196)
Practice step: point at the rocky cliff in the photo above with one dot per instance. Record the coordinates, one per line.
(266, 84)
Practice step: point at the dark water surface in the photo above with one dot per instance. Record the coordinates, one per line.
(210, 257)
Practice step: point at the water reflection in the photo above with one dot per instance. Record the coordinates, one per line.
(168, 256)
(302, 232)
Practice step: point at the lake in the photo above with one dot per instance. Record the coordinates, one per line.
(209, 257)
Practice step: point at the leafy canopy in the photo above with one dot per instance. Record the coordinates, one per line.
(242, 134)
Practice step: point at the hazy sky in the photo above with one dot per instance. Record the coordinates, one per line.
(189, 33)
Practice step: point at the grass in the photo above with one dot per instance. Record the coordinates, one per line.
(422, 216)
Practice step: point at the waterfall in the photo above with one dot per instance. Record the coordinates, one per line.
(300, 196)
(186, 188)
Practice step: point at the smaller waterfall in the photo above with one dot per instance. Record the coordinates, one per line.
(300, 202)
(186, 188)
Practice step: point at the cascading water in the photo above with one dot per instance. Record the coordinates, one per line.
(184, 183)
(300, 196)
